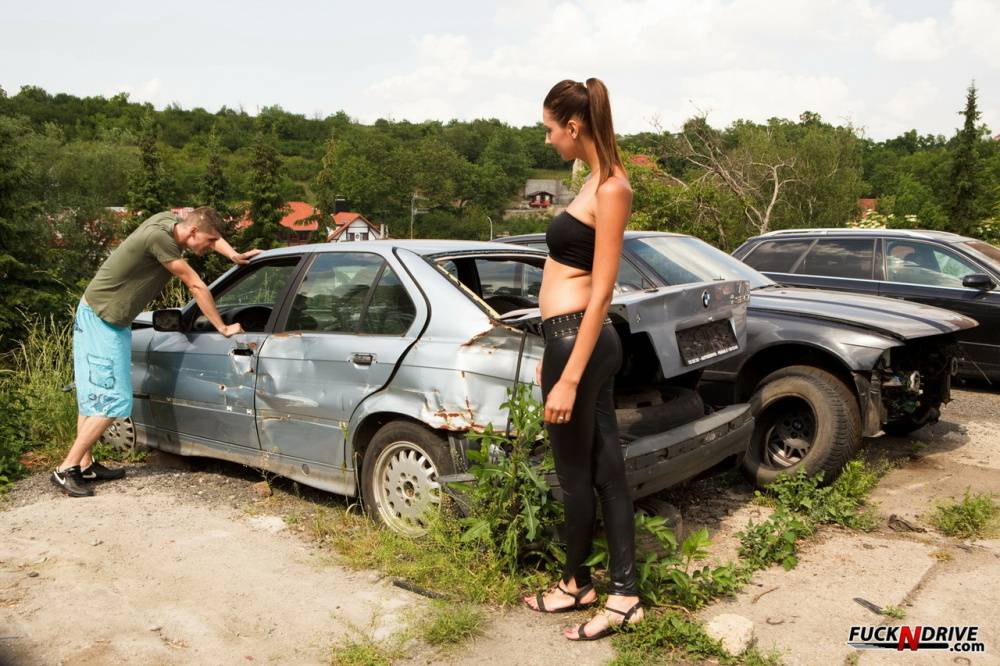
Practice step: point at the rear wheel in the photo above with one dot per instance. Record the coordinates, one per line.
(807, 419)
(400, 474)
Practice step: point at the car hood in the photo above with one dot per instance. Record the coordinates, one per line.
(889, 316)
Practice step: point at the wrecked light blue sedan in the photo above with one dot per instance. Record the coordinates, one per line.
(365, 365)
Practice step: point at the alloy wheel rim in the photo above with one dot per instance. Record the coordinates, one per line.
(790, 435)
(120, 435)
(406, 487)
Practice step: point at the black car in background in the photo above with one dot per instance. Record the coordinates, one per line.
(932, 267)
(821, 369)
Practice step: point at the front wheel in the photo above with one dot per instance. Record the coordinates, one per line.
(400, 474)
(807, 419)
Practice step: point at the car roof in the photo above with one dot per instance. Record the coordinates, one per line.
(923, 234)
(424, 247)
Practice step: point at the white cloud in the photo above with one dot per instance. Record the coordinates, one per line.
(915, 41)
(975, 24)
(910, 100)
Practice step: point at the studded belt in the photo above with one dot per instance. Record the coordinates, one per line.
(564, 325)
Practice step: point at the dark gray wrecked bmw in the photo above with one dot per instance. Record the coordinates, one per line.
(822, 369)
(365, 366)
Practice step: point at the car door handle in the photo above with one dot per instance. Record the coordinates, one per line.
(363, 359)
(242, 351)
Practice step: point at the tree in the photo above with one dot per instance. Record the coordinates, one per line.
(25, 283)
(750, 161)
(149, 188)
(266, 203)
(965, 186)
(506, 150)
(214, 187)
(325, 184)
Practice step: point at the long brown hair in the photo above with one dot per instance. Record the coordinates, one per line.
(589, 102)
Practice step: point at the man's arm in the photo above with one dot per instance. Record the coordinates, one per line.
(202, 296)
(223, 247)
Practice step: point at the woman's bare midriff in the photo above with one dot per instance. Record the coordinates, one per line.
(564, 289)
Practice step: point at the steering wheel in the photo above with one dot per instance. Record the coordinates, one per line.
(253, 318)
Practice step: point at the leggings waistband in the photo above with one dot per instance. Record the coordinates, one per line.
(564, 325)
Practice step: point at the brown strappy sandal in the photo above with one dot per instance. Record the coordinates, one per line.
(577, 605)
(611, 628)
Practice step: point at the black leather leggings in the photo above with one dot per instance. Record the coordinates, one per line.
(588, 457)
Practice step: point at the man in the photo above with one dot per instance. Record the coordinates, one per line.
(128, 280)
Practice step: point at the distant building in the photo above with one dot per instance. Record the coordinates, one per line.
(545, 192)
(865, 206)
(352, 226)
(300, 223)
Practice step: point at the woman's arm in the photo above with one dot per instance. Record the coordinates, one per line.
(614, 200)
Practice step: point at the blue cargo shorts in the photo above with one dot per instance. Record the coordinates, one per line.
(102, 365)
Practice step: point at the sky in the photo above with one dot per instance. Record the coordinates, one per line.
(884, 67)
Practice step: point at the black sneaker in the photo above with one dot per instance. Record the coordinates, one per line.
(98, 472)
(70, 481)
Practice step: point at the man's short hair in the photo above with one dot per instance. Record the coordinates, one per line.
(208, 220)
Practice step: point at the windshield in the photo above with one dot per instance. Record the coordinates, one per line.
(990, 253)
(683, 259)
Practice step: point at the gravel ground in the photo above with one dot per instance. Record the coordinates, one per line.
(190, 561)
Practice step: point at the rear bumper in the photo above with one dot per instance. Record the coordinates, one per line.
(665, 459)
(659, 461)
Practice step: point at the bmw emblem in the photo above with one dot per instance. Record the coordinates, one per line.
(706, 298)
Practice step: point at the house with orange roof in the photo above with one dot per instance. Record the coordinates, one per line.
(350, 226)
(300, 222)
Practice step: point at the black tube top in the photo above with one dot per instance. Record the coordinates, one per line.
(570, 241)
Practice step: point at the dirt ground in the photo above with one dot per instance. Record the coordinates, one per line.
(183, 563)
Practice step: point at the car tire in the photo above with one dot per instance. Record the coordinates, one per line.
(399, 475)
(120, 436)
(653, 506)
(679, 406)
(806, 418)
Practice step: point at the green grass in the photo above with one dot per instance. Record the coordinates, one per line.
(975, 516)
(448, 624)
(438, 561)
(38, 416)
(668, 636)
(365, 652)
(894, 612)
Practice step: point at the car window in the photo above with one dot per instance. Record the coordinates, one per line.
(391, 311)
(262, 286)
(333, 292)
(777, 256)
(250, 299)
(629, 278)
(508, 277)
(841, 258)
(915, 262)
(684, 259)
(984, 249)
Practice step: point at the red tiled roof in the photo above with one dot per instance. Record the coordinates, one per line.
(296, 219)
(345, 217)
(867, 204)
(642, 160)
(344, 220)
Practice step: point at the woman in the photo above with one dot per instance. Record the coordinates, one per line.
(582, 355)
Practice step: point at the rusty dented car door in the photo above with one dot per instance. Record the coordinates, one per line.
(349, 322)
(200, 383)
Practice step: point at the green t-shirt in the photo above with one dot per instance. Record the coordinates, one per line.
(133, 275)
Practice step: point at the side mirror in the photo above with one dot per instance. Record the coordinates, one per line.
(979, 281)
(167, 320)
